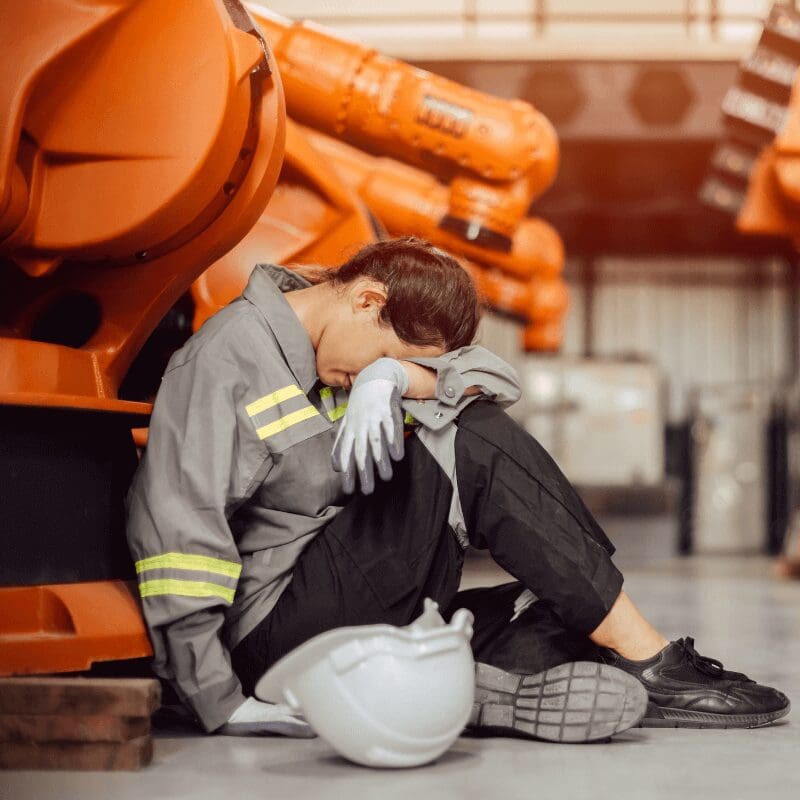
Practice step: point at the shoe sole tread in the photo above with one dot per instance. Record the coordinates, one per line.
(581, 701)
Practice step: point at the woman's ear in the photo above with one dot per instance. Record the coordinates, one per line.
(368, 296)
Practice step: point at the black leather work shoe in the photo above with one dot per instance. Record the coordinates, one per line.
(580, 701)
(687, 690)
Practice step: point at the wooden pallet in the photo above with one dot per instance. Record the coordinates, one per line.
(76, 723)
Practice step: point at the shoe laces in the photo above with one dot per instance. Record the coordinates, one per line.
(709, 666)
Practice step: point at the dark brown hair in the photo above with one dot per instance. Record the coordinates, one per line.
(430, 298)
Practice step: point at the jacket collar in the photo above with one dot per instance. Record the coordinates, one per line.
(265, 290)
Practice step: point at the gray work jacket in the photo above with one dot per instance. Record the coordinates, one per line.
(236, 479)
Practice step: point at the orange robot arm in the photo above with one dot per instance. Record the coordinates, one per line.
(497, 155)
(525, 282)
(504, 151)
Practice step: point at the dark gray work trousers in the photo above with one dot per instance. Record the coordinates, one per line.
(385, 553)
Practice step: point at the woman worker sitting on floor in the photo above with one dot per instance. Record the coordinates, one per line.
(247, 541)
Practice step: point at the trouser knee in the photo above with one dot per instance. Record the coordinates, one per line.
(518, 504)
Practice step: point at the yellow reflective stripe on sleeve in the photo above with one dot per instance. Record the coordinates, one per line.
(337, 413)
(283, 423)
(408, 420)
(188, 561)
(270, 400)
(326, 391)
(162, 586)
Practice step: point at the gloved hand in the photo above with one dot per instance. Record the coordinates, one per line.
(372, 428)
(254, 718)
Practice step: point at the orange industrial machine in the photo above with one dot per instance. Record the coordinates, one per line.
(139, 141)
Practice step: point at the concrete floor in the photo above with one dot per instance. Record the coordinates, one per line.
(732, 606)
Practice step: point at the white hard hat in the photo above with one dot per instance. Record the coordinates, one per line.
(380, 695)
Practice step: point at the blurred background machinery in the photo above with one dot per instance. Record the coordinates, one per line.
(601, 419)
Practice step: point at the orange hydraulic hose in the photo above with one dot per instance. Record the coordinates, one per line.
(497, 155)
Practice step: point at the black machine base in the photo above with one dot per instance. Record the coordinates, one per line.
(63, 478)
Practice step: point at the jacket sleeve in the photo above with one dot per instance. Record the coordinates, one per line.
(455, 373)
(202, 460)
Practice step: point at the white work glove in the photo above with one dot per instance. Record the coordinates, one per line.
(254, 718)
(372, 429)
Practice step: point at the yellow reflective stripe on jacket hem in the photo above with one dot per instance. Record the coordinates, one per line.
(270, 400)
(283, 423)
(162, 586)
(190, 561)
